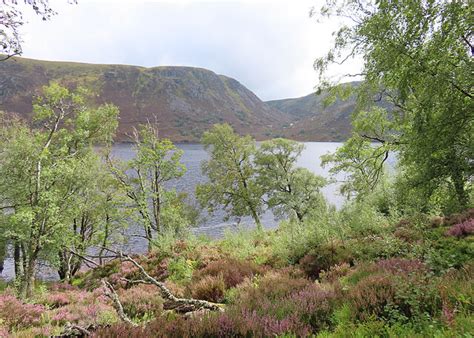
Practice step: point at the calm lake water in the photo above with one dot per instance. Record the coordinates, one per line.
(210, 225)
(194, 155)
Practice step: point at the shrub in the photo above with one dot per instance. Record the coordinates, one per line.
(180, 269)
(84, 314)
(91, 279)
(43, 331)
(141, 300)
(371, 295)
(446, 253)
(210, 288)
(456, 290)
(323, 258)
(335, 273)
(402, 266)
(372, 248)
(408, 234)
(272, 286)
(16, 314)
(463, 229)
(57, 299)
(394, 290)
(280, 298)
(233, 271)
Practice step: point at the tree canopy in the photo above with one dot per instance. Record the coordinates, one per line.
(232, 175)
(45, 172)
(418, 56)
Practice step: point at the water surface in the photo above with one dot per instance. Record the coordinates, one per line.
(210, 225)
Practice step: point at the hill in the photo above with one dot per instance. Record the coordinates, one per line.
(185, 100)
(312, 121)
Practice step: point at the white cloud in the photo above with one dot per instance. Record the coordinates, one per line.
(269, 46)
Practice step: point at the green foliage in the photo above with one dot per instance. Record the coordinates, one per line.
(157, 162)
(359, 157)
(448, 252)
(232, 175)
(418, 57)
(290, 191)
(45, 173)
(181, 269)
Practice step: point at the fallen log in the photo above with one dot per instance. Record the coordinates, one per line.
(180, 305)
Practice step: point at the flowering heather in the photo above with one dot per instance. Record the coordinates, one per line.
(233, 271)
(58, 299)
(463, 229)
(401, 266)
(15, 313)
(82, 314)
(64, 315)
(3, 331)
(140, 300)
(253, 324)
(448, 314)
(127, 268)
(370, 296)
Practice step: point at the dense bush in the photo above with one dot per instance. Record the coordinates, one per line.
(233, 271)
(17, 314)
(463, 229)
(406, 279)
(324, 257)
(141, 300)
(396, 290)
(210, 288)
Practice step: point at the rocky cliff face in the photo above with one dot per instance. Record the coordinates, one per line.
(185, 101)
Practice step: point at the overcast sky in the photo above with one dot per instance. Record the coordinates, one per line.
(269, 46)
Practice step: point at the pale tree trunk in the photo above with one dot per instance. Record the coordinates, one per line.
(256, 218)
(30, 277)
(27, 280)
(64, 270)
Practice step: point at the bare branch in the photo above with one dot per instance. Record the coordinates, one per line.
(110, 292)
(84, 258)
(188, 304)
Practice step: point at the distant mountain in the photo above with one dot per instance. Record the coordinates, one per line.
(312, 121)
(186, 101)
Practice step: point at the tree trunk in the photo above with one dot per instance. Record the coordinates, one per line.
(149, 237)
(3, 251)
(17, 261)
(106, 237)
(461, 193)
(28, 278)
(299, 216)
(64, 270)
(257, 220)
